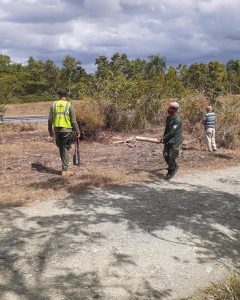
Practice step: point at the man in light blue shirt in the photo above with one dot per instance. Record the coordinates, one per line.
(209, 123)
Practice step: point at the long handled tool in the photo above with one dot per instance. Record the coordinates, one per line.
(76, 155)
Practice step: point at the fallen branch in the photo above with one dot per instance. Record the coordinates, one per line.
(124, 141)
(146, 139)
(119, 142)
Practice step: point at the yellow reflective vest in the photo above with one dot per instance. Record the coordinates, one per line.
(61, 117)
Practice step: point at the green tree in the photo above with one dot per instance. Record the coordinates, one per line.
(52, 75)
(233, 65)
(137, 69)
(216, 80)
(103, 68)
(35, 77)
(156, 65)
(233, 76)
(119, 64)
(173, 84)
(5, 62)
(196, 77)
(71, 73)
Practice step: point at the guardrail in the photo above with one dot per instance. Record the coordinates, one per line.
(17, 119)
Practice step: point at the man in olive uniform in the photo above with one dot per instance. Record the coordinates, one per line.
(172, 139)
(62, 118)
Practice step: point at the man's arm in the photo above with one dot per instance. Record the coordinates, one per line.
(73, 120)
(204, 120)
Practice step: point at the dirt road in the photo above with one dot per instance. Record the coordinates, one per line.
(160, 240)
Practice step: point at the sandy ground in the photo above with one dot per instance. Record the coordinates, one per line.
(158, 240)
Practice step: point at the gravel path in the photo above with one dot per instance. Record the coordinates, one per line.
(160, 240)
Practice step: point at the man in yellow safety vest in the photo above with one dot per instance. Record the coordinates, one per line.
(62, 118)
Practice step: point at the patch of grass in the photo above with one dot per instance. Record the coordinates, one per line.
(78, 183)
(22, 196)
(28, 126)
(7, 127)
(11, 129)
(102, 178)
(229, 290)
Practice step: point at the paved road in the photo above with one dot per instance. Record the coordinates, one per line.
(161, 240)
(18, 119)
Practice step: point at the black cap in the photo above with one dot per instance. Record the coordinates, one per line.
(62, 93)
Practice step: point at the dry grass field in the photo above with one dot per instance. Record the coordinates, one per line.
(38, 108)
(30, 165)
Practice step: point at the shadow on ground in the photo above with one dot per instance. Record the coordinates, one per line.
(29, 242)
(43, 169)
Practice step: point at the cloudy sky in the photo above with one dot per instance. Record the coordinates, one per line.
(184, 31)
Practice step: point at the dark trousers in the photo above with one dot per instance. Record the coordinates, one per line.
(170, 154)
(63, 141)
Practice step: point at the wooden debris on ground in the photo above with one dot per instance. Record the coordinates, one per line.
(147, 139)
(131, 142)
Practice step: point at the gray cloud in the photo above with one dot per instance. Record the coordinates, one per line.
(46, 11)
(183, 31)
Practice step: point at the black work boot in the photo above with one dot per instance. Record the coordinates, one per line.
(168, 176)
(176, 169)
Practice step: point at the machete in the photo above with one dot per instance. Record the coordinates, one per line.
(76, 155)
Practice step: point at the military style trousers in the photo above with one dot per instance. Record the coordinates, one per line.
(63, 141)
(170, 154)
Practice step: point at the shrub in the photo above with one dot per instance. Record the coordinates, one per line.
(115, 117)
(228, 120)
(2, 108)
(89, 118)
(192, 110)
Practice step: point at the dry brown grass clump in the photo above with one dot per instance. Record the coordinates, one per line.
(89, 117)
(228, 120)
(28, 126)
(229, 290)
(103, 178)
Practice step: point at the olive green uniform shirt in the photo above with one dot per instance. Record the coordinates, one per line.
(173, 131)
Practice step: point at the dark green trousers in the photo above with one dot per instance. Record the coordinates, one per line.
(170, 154)
(63, 141)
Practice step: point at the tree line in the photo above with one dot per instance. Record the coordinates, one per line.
(116, 79)
(123, 93)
